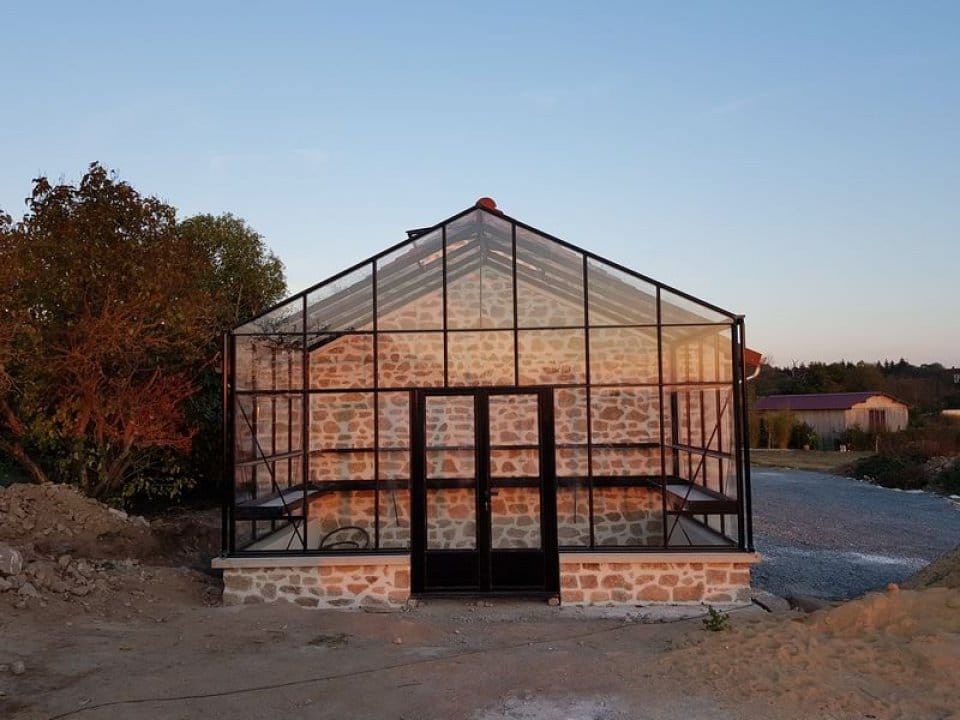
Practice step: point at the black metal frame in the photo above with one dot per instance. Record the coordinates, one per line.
(485, 568)
(355, 310)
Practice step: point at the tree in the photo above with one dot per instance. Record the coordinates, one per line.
(112, 308)
(244, 278)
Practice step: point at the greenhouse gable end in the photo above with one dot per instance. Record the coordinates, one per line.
(480, 409)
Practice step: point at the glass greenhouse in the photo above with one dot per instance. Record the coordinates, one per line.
(482, 398)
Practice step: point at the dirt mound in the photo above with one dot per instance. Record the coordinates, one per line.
(942, 572)
(57, 520)
(58, 546)
(890, 655)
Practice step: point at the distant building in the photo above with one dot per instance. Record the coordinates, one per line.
(831, 414)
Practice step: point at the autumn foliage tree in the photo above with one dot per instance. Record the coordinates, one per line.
(111, 313)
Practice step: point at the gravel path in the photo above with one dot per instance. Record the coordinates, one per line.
(836, 538)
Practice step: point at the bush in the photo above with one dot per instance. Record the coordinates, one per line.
(892, 471)
(947, 480)
(803, 436)
(779, 429)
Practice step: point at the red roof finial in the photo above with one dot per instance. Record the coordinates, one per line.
(487, 203)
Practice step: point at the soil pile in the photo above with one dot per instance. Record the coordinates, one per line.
(943, 572)
(56, 519)
(889, 655)
(58, 546)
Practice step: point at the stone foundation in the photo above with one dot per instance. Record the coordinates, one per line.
(383, 581)
(675, 578)
(368, 581)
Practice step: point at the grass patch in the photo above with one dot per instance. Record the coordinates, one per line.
(817, 460)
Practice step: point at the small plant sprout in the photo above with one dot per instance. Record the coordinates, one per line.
(715, 621)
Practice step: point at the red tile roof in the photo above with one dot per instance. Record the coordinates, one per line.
(817, 401)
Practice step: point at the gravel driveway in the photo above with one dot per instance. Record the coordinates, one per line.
(834, 537)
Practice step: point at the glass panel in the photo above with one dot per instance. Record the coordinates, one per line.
(394, 517)
(549, 283)
(394, 429)
(573, 515)
(678, 309)
(341, 437)
(410, 286)
(342, 520)
(626, 461)
(410, 359)
(514, 472)
(344, 361)
(266, 425)
(515, 517)
(552, 357)
(618, 298)
(514, 421)
(288, 318)
(394, 481)
(480, 273)
(697, 354)
(268, 362)
(624, 516)
(572, 462)
(475, 359)
(450, 473)
(343, 304)
(623, 355)
(625, 415)
(570, 416)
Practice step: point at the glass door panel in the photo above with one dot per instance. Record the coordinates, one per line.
(515, 478)
(451, 473)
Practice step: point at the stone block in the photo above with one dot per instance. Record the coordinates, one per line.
(653, 593)
(688, 593)
(236, 582)
(588, 581)
(716, 577)
(615, 581)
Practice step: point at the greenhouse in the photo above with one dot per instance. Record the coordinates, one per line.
(487, 409)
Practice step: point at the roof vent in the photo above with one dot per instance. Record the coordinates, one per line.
(488, 203)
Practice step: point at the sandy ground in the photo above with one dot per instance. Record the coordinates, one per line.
(148, 639)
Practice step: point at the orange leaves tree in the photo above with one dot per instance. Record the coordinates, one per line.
(111, 311)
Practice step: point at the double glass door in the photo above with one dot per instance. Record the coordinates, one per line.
(484, 512)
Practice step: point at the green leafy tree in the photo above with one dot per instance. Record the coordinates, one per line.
(244, 278)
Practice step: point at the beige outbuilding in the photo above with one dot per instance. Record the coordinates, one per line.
(832, 414)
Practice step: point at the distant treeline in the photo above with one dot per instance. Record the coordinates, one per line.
(925, 388)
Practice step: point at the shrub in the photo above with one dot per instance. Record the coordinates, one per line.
(802, 435)
(892, 471)
(779, 428)
(715, 621)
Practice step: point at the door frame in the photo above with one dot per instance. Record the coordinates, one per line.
(484, 551)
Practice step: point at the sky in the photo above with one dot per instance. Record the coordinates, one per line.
(798, 163)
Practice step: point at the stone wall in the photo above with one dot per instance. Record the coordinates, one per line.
(633, 580)
(372, 584)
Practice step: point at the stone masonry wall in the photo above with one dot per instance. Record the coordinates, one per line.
(370, 585)
(634, 581)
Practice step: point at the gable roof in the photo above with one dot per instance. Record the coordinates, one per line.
(818, 401)
(459, 244)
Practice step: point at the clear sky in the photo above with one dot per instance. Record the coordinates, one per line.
(795, 162)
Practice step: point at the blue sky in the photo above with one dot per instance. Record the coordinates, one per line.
(798, 163)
